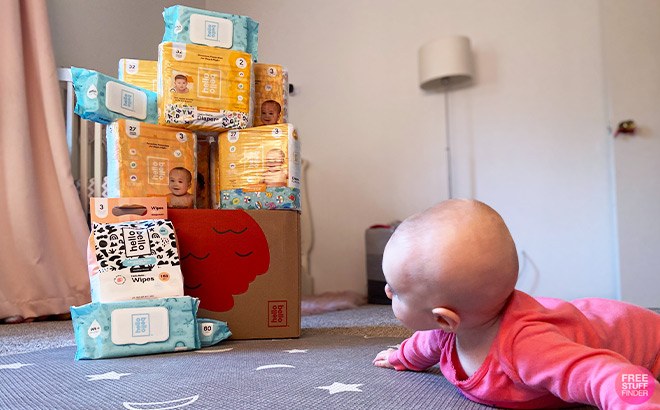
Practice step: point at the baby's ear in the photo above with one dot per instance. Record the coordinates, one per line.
(447, 319)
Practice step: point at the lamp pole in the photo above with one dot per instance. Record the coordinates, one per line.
(444, 63)
(445, 82)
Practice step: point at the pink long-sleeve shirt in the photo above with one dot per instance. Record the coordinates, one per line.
(549, 353)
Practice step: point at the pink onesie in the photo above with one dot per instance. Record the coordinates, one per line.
(549, 353)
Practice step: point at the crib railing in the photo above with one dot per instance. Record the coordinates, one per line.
(86, 142)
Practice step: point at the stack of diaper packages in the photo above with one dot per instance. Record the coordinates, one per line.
(209, 81)
(138, 306)
(204, 125)
(260, 167)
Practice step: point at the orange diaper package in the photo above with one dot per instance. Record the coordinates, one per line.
(271, 94)
(204, 88)
(141, 73)
(150, 160)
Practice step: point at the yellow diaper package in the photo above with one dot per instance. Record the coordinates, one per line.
(257, 168)
(204, 88)
(271, 94)
(151, 160)
(141, 73)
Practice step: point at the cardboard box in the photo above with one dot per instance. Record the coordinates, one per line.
(244, 266)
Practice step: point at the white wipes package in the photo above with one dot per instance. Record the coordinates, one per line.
(134, 260)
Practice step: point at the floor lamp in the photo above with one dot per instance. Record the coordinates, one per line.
(445, 63)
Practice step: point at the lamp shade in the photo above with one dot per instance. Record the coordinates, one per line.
(445, 61)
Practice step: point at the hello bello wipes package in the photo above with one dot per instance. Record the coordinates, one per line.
(132, 250)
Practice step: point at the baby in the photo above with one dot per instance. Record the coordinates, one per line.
(180, 183)
(180, 84)
(451, 272)
(270, 112)
(275, 174)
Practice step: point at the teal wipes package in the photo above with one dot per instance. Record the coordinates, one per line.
(212, 331)
(103, 99)
(209, 28)
(136, 327)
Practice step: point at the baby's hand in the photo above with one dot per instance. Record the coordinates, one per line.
(381, 359)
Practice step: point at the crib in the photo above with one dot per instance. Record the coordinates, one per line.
(86, 143)
(87, 150)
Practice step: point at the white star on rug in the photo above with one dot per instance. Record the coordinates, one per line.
(341, 387)
(296, 351)
(275, 366)
(16, 365)
(106, 376)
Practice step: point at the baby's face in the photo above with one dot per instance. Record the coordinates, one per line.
(179, 183)
(180, 84)
(274, 160)
(409, 295)
(270, 114)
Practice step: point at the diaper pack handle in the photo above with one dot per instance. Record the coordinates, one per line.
(132, 209)
(116, 210)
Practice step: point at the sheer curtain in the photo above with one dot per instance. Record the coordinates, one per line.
(43, 231)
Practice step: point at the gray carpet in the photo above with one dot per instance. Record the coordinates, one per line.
(371, 320)
(263, 374)
(37, 371)
(328, 367)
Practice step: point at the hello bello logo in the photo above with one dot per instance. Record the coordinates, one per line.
(635, 384)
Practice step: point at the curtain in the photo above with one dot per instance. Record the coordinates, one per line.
(43, 231)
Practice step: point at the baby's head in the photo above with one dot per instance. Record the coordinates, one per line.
(180, 181)
(270, 112)
(274, 159)
(181, 83)
(454, 260)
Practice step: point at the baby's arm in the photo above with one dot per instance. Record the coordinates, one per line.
(418, 353)
(571, 371)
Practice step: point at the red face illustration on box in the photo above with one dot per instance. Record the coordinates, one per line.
(221, 253)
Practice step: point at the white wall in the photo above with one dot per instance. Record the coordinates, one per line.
(95, 34)
(529, 134)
